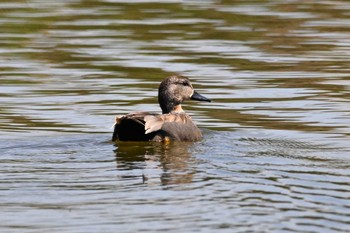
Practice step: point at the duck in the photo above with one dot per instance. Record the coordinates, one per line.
(172, 125)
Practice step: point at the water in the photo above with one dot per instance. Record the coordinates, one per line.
(275, 153)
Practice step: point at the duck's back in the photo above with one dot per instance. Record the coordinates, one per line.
(145, 126)
(131, 127)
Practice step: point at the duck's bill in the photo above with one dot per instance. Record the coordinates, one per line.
(199, 97)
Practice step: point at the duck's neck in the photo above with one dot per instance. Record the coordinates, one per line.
(177, 109)
(171, 108)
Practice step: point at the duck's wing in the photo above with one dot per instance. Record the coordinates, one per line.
(176, 126)
(154, 123)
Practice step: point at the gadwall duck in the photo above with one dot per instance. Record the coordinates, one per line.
(172, 124)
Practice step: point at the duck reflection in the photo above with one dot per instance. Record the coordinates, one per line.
(169, 163)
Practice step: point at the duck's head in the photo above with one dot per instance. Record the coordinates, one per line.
(173, 91)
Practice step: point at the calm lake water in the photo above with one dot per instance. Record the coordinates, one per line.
(275, 155)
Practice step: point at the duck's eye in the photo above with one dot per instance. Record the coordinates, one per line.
(185, 84)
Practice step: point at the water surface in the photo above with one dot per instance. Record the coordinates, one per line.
(275, 154)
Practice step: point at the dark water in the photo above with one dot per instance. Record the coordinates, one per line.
(275, 155)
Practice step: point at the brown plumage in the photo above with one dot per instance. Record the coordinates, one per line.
(173, 124)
